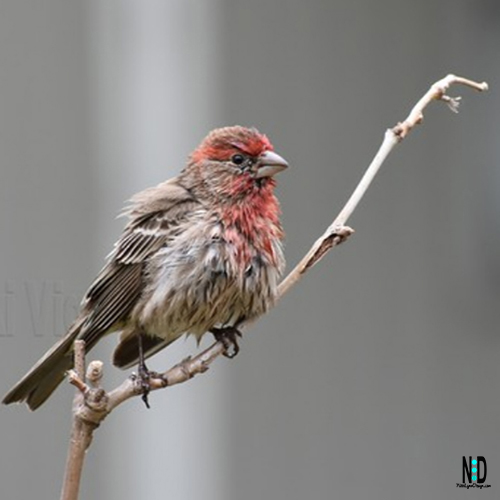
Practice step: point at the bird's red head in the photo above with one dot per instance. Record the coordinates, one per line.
(234, 161)
(222, 143)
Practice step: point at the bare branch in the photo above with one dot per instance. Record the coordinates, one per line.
(92, 404)
(81, 431)
(179, 373)
(391, 138)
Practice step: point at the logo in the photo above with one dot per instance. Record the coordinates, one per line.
(474, 472)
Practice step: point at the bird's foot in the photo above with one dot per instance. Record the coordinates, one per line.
(342, 233)
(228, 336)
(144, 377)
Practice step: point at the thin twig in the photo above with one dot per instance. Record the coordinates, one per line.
(92, 404)
(391, 138)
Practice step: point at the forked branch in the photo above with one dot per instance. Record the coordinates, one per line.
(92, 404)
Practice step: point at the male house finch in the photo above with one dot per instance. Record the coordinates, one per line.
(200, 252)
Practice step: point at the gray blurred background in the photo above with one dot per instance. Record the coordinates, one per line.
(375, 375)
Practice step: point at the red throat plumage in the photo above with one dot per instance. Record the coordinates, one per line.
(253, 218)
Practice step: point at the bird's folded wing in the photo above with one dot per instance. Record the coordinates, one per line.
(155, 215)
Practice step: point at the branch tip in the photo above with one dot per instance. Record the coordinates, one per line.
(95, 372)
(74, 379)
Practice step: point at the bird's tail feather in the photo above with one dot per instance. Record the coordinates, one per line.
(44, 377)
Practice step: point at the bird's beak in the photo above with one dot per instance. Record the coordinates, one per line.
(270, 164)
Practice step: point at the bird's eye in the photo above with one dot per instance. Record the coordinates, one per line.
(237, 159)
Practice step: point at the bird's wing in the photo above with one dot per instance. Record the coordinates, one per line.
(154, 215)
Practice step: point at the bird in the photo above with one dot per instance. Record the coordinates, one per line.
(200, 252)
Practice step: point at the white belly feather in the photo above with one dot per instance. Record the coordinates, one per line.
(199, 284)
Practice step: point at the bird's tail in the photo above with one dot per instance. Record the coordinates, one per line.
(44, 377)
